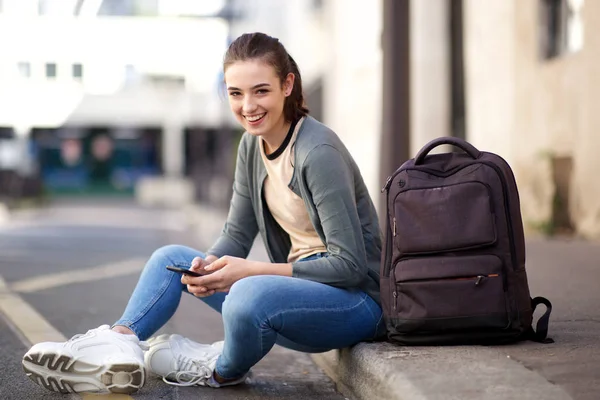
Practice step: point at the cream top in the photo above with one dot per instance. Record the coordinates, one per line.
(287, 208)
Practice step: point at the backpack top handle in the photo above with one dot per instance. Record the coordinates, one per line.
(454, 141)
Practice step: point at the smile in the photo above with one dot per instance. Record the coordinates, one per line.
(254, 118)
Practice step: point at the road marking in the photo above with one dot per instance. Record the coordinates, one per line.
(34, 329)
(112, 270)
(31, 324)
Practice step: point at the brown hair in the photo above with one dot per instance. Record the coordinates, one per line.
(258, 45)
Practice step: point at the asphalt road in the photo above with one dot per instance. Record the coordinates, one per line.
(75, 264)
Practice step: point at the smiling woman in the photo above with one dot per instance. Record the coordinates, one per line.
(297, 186)
(264, 86)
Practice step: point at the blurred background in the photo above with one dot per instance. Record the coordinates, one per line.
(105, 98)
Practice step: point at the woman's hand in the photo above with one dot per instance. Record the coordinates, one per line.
(220, 275)
(198, 264)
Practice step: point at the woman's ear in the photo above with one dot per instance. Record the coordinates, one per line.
(288, 85)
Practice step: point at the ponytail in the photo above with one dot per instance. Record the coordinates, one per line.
(295, 106)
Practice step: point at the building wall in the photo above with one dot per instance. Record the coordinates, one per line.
(531, 110)
(429, 72)
(585, 193)
(352, 81)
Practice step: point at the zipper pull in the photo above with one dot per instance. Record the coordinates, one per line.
(395, 294)
(387, 184)
(479, 279)
(394, 229)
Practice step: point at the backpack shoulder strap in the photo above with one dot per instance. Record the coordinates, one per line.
(541, 331)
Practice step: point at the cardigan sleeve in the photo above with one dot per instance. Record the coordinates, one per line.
(241, 228)
(330, 182)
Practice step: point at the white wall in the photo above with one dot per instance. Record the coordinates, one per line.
(489, 42)
(429, 72)
(353, 78)
(529, 110)
(353, 82)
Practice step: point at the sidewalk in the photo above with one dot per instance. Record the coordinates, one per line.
(564, 271)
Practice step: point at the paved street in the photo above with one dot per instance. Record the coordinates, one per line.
(75, 264)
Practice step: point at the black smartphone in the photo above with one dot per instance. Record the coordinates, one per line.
(183, 271)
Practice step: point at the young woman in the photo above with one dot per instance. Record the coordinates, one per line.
(295, 184)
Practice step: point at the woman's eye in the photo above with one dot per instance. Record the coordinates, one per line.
(262, 91)
(234, 94)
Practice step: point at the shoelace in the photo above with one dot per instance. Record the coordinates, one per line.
(190, 372)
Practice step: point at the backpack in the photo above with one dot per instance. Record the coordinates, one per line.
(453, 263)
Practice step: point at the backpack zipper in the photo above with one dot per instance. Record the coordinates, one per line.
(477, 278)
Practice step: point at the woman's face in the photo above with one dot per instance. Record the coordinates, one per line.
(256, 96)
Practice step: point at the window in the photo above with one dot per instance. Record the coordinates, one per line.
(24, 69)
(50, 70)
(561, 27)
(77, 71)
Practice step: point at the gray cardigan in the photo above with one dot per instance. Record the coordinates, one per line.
(338, 203)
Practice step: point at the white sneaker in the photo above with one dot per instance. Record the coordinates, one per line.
(183, 362)
(99, 361)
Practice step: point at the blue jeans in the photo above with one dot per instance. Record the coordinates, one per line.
(258, 312)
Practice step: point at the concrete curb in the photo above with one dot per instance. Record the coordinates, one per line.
(384, 371)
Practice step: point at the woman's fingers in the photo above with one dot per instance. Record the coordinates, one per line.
(217, 264)
(197, 262)
(205, 294)
(200, 291)
(211, 283)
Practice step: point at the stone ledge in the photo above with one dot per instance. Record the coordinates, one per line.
(384, 371)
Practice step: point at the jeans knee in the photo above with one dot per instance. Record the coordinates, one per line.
(165, 255)
(245, 300)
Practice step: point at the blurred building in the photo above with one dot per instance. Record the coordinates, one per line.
(108, 91)
(514, 77)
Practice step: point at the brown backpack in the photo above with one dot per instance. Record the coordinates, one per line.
(453, 265)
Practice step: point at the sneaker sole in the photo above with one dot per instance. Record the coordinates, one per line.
(63, 374)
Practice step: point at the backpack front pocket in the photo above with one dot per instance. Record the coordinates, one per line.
(449, 293)
(446, 218)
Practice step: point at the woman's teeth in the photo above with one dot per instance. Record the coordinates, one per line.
(255, 118)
